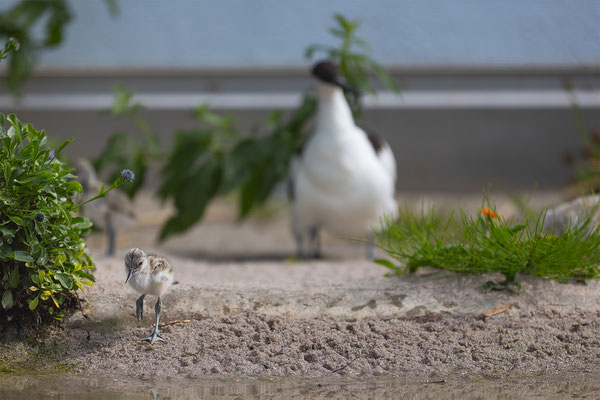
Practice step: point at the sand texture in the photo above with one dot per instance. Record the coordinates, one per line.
(242, 308)
(333, 318)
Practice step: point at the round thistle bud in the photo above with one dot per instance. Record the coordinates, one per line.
(39, 217)
(128, 175)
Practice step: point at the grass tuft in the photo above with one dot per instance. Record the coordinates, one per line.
(489, 243)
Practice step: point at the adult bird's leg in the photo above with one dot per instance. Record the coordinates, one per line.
(315, 242)
(110, 236)
(139, 308)
(299, 245)
(154, 335)
(371, 246)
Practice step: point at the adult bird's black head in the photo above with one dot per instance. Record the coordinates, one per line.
(327, 72)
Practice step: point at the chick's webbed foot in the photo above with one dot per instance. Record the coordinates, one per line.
(153, 336)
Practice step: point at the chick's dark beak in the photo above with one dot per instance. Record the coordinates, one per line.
(129, 275)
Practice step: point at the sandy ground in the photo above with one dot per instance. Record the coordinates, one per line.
(342, 318)
(253, 311)
(242, 308)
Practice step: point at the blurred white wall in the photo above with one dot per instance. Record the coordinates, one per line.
(274, 33)
(482, 81)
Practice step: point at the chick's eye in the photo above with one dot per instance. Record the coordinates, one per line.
(140, 263)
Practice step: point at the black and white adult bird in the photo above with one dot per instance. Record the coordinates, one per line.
(344, 179)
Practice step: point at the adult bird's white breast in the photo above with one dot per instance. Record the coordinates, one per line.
(342, 185)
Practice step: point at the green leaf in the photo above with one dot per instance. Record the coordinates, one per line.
(33, 303)
(385, 263)
(60, 259)
(86, 276)
(43, 257)
(62, 146)
(13, 279)
(241, 161)
(65, 280)
(191, 199)
(16, 220)
(517, 228)
(7, 173)
(22, 256)
(86, 224)
(491, 285)
(7, 299)
(74, 186)
(54, 27)
(7, 233)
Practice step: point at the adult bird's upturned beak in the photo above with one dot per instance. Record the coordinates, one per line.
(347, 87)
(129, 275)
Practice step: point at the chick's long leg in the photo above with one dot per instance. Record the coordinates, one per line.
(139, 308)
(154, 335)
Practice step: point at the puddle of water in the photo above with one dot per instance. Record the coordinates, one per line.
(92, 388)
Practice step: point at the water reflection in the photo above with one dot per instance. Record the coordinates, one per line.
(92, 388)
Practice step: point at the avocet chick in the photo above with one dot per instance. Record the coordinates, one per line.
(148, 274)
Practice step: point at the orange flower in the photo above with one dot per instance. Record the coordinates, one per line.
(489, 213)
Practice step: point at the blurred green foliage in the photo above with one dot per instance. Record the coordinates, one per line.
(352, 56)
(215, 159)
(19, 22)
(43, 259)
(10, 45)
(129, 151)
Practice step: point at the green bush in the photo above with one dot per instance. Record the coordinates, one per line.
(489, 243)
(43, 258)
